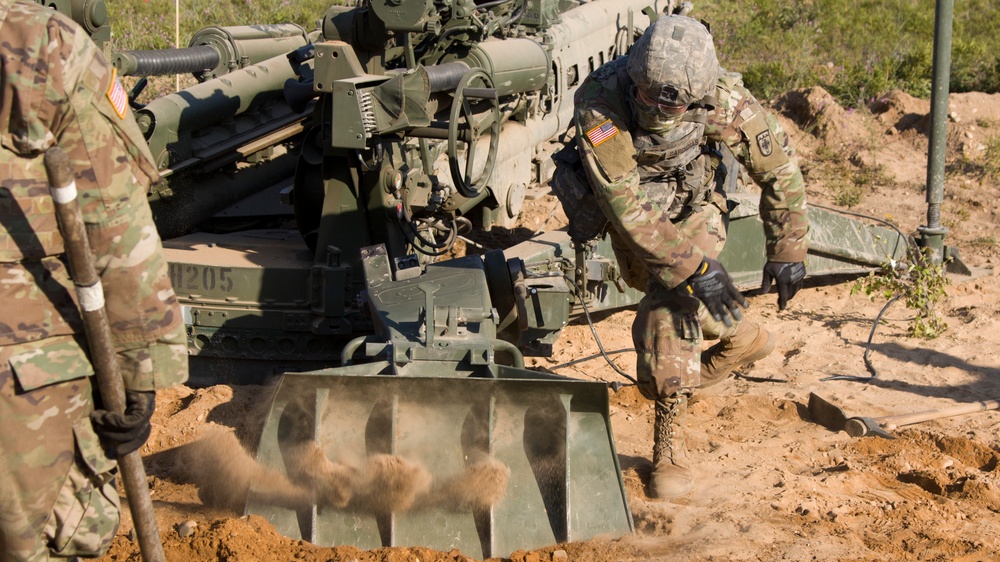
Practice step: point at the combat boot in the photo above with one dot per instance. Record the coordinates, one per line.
(672, 475)
(751, 342)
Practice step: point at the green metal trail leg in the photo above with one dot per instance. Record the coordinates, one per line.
(336, 413)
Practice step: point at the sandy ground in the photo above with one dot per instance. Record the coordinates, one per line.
(772, 483)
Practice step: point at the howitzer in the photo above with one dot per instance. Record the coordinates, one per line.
(310, 212)
(402, 125)
(417, 120)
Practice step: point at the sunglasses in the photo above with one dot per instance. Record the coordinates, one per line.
(663, 108)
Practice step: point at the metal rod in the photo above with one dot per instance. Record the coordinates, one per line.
(933, 233)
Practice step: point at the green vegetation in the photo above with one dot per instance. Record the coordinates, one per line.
(983, 161)
(856, 49)
(986, 242)
(150, 24)
(990, 159)
(919, 282)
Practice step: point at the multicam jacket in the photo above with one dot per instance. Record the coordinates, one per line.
(57, 89)
(57, 490)
(631, 182)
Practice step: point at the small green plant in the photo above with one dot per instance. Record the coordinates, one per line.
(919, 282)
(990, 159)
(847, 195)
(870, 177)
(984, 242)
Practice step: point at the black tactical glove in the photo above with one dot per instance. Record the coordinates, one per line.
(788, 276)
(126, 432)
(713, 286)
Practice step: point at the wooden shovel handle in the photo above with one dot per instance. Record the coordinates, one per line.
(100, 342)
(889, 422)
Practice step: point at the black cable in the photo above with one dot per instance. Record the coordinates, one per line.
(868, 346)
(492, 4)
(441, 248)
(593, 330)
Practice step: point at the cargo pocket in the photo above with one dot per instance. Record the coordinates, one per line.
(572, 188)
(50, 361)
(86, 513)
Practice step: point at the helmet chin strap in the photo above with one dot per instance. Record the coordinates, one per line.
(708, 103)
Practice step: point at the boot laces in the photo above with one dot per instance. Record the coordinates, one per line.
(669, 408)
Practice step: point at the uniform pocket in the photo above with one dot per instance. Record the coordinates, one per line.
(50, 361)
(85, 516)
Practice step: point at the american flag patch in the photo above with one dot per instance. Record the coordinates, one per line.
(117, 95)
(602, 132)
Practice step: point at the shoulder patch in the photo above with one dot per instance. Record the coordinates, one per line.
(764, 143)
(766, 152)
(117, 95)
(602, 132)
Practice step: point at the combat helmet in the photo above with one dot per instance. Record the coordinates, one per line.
(674, 62)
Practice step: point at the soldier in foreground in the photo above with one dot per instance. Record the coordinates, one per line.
(650, 130)
(57, 481)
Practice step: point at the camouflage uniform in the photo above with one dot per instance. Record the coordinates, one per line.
(663, 197)
(57, 489)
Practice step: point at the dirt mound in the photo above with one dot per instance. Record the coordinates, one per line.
(816, 112)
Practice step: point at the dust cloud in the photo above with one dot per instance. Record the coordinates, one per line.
(225, 474)
(330, 482)
(391, 484)
(480, 486)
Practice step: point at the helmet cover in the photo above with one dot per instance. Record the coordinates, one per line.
(674, 62)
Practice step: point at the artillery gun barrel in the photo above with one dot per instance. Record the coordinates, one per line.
(214, 51)
(167, 61)
(516, 65)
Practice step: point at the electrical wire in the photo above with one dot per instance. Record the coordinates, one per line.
(549, 216)
(911, 247)
(616, 386)
(868, 348)
(413, 235)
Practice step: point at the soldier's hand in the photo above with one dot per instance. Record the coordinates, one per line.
(787, 275)
(126, 432)
(713, 286)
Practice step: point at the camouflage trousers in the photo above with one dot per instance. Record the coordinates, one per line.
(57, 484)
(671, 324)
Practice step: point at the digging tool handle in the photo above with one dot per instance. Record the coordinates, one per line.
(102, 352)
(890, 422)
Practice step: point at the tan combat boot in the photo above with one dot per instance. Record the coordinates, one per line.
(751, 342)
(672, 475)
